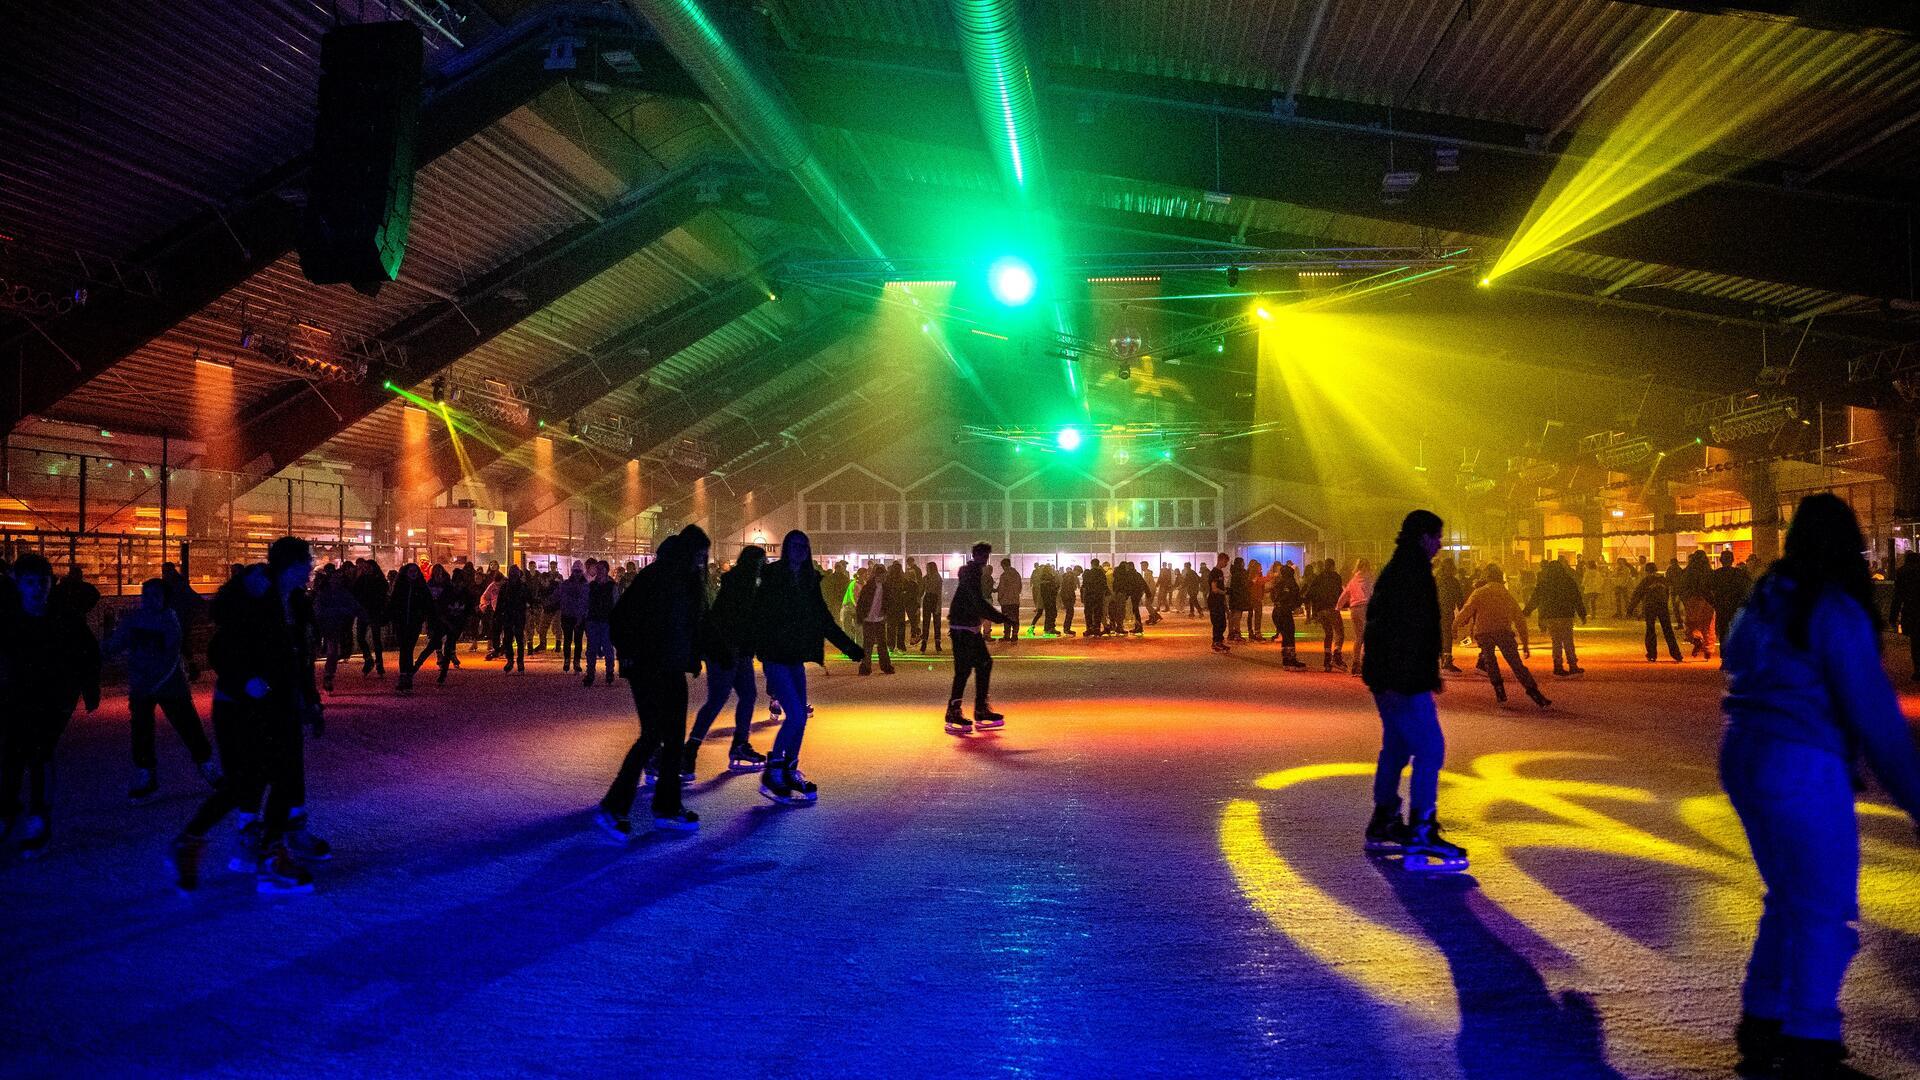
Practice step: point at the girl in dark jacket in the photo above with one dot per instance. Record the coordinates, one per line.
(791, 625)
(727, 650)
(452, 607)
(408, 609)
(1284, 589)
(511, 615)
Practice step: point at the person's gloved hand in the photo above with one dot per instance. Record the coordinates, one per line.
(856, 657)
(257, 688)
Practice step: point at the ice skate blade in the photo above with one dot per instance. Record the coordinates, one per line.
(746, 766)
(959, 732)
(776, 797)
(1384, 847)
(676, 824)
(1428, 864)
(268, 888)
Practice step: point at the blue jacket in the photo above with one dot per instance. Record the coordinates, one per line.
(1833, 697)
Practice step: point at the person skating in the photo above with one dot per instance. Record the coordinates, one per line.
(264, 699)
(409, 608)
(726, 648)
(51, 666)
(1094, 588)
(452, 609)
(1695, 589)
(1807, 697)
(965, 619)
(1400, 663)
(571, 596)
(1217, 587)
(1284, 591)
(149, 635)
(1354, 597)
(791, 626)
(930, 598)
(1239, 598)
(1904, 614)
(511, 613)
(1730, 586)
(1008, 591)
(1131, 588)
(601, 594)
(1322, 589)
(1651, 599)
(1046, 593)
(1452, 595)
(1069, 597)
(1493, 617)
(871, 603)
(654, 627)
(370, 589)
(334, 610)
(1560, 598)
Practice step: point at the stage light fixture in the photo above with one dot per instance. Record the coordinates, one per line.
(439, 389)
(1233, 276)
(1263, 313)
(1068, 439)
(1011, 281)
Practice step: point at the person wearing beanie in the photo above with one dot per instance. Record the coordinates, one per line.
(1400, 664)
(791, 626)
(1495, 620)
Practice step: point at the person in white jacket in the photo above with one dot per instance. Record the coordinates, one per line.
(1354, 598)
(1593, 582)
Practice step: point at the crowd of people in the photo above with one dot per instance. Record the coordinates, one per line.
(1806, 689)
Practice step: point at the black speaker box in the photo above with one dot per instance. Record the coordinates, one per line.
(360, 192)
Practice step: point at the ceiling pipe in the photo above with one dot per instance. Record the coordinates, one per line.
(1001, 77)
(761, 114)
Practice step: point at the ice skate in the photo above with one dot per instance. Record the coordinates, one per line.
(1427, 851)
(1539, 698)
(184, 857)
(1815, 1059)
(683, 820)
(689, 755)
(742, 757)
(34, 836)
(145, 786)
(1500, 693)
(957, 722)
(650, 776)
(246, 860)
(617, 827)
(804, 790)
(281, 874)
(985, 719)
(1386, 833)
(306, 846)
(210, 772)
(774, 785)
(1758, 1040)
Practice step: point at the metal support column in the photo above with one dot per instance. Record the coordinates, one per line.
(340, 529)
(289, 506)
(165, 459)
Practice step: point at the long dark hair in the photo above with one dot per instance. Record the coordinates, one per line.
(1824, 550)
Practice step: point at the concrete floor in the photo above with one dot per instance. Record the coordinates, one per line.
(1154, 870)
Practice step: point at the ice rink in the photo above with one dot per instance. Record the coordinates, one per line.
(1154, 870)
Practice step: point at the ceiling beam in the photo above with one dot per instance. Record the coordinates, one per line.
(282, 432)
(1874, 15)
(623, 358)
(588, 467)
(209, 255)
(1157, 132)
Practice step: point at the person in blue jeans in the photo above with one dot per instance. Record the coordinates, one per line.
(1401, 665)
(1805, 693)
(791, 626)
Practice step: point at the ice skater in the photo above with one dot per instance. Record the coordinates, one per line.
(791, 626)
(965, 625)
(1806, 693)
(1400, 664)
(1493, 617)
(149, 635)
(1217, 602)
(726, 649)
(52, 665)
(653, 628)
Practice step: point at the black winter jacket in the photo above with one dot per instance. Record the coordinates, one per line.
(1557, 595)
(970, 606)
(790, 623)
(654, 624)
(1403, 626)
(729, 630)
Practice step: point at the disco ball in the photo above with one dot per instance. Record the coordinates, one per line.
(1125, 343)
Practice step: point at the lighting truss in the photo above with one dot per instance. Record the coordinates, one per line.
(1615, 450)
(315, 352)
(1143, 435)
(499, 400)
(1886, 363)
(1134, 264)
(1744, 416)
(612, 433)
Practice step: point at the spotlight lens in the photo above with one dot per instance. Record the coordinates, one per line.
(1263, 312)
(1484, 282)
(1068, 439)
(1011, 280)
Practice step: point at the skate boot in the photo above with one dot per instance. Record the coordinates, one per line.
(683, 820)
(805, 791)
(304, 845)
(281, 874)
(1815, 1059)
(688, 755)
(612, 824)
(145, 786)
(744, 758)
(246, 860)
(404, 684)
(326, 682)
(985, 719)
(1500, 693)
(1539, 698)
(210, 772)
(773, 782)
(1386, 833)
(1428, 851)
(184, 858)
(441, 679)
(650, 776)
(34, 836)
(774, 711)
(1758, 1040)
(1451, 668)
(957, 722)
